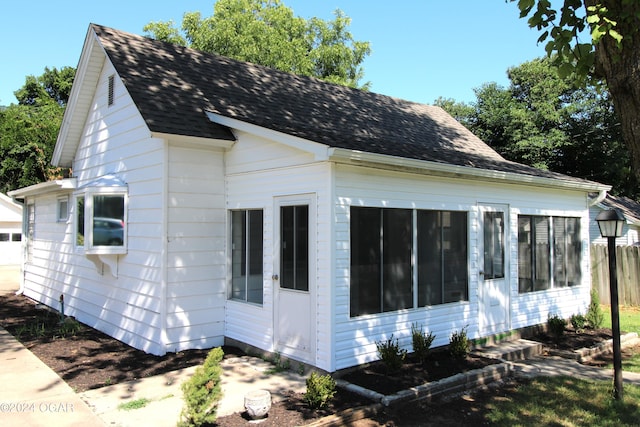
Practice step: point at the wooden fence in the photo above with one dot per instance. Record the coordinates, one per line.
(628, 263)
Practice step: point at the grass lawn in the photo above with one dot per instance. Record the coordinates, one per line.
(565, 401)
(629, 322)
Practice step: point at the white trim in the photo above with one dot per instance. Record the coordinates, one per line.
(383, 161)
(67, 184)
(193, 141)
(317, 149)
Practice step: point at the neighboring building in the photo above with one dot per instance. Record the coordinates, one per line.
(10, 231)
(631, 211)
(248, 205)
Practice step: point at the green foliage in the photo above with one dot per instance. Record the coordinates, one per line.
(459, 346)
(421, 342)
(391, 354)
(556, 325)
(320, 390)
(266, 32)
(578, 321)
(594, 316)
(564, 401)
(29, 129)
(202, 392)
(134, 404)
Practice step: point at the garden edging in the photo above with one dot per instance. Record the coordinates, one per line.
(583, 355)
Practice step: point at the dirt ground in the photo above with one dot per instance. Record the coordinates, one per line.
(88, 359)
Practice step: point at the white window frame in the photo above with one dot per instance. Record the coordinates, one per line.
(62, 210)
(89, 193)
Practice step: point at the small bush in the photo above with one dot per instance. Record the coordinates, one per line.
(320, 390)
(594, 316)
(421, 342)
(578, 321)
(202, 392)
(557, 326)
(69, 327)
(391, 354)
(459, 346)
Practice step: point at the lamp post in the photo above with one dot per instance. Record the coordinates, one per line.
(610, 223)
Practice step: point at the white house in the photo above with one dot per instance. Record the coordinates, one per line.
(631, 211)
(10, 231)
(219, 201)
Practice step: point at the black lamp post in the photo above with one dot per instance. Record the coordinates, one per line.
(610, 223)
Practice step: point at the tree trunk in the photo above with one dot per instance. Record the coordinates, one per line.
(621, 69)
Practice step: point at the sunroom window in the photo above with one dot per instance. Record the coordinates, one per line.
(101, 222)
(246, 256)
(543, 265)
(389, 245)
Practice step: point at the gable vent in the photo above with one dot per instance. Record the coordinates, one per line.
(110, 94)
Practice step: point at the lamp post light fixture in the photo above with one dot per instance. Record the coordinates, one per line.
(610, 223)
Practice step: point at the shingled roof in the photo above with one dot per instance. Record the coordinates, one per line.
(174, 87)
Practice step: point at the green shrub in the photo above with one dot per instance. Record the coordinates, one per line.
(578, 321)
(459, 346)
(556, 326)
(201, 392)
(421, 342)
(391, 354)
(320, 390)
(594, 315)
(69, 327)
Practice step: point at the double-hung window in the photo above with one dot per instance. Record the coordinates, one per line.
(549, 251)
(246, 256)
(403, 258)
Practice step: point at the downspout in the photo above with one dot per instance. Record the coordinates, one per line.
(601, 196)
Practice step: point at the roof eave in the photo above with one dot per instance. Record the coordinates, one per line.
(381, 161)
(67, 184)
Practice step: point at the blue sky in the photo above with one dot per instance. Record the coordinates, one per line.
(421, 49)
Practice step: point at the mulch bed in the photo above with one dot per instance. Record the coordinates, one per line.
(88, 359)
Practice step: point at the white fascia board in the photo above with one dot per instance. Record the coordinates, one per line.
(67, 184)
(382, 161)
(85, 79)
(318, 150)
(195, 141)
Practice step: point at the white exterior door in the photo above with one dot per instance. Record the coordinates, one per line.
(493, 283)
(294, 277)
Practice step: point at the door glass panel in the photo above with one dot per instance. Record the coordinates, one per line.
(294, 247)
(493, 245)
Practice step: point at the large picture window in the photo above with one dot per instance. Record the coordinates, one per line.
(246, 256)
(542, 265)
(383, 258)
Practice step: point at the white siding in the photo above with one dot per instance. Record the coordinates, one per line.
(257, 189)
(196, 260)
(355, 338)
(115, 141)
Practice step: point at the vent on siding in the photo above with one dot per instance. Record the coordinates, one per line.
(110, 95)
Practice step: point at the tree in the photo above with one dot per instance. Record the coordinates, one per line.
(29, 129)
(266, 32)
(613, 54)
(548, 122)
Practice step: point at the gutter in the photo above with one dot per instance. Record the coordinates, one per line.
(381, 161)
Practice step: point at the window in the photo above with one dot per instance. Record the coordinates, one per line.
(537, 258)
(5, 237)
(101, 223)
(383, 258)
(294, 247)
(16, 237)
(63, 209)
(442, 257)
(246, 255)
(493, 245)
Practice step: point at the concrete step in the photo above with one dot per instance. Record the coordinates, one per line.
(511, 350)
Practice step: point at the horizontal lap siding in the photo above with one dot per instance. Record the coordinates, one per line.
(115, 141)
(196, 249)
(367, 187)
(251, 188)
